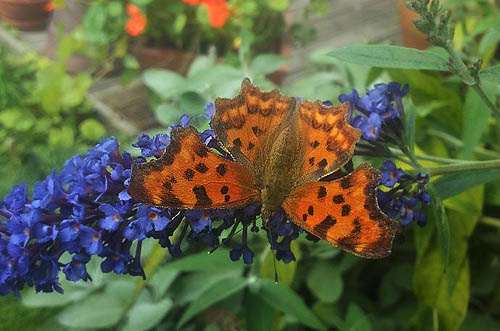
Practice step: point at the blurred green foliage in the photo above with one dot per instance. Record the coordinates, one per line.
(44, 117)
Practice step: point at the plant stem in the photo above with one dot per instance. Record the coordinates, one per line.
(457, 143)
(490, 221)
(464, 73)
(459, 167)
(486, 100)
(437, 159)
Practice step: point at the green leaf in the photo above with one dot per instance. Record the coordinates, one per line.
(160, 281)
(167, 113)
(476, 116)
(265, 64)
(190, 287)
(216, 293)
(410, 127)
(192, 103)
(491, 74)
(259, 315)
(202, 62)
(356, 320)
(325, 281)
(442, 226)
(92, 129)
(215, 262)
(286, 300)
(146, 315)
(450, 185)
(165, 83)
(286, 271)
(72, 292)
(97, 311)
(279, 5)
(330, 314)
(61, 137)
(387, 56)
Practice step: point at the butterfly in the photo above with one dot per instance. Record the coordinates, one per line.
(281, 148)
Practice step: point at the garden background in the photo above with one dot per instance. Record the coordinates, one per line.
(73, 72)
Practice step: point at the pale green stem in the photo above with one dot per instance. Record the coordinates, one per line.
(437, 159)
(464, 73)
(459, 167)
(490, 221)
(457, 143)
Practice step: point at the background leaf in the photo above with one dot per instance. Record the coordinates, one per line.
(387, 56)
(286, 300)
(145, 315)
(450, 185)
(491, 74)
(217, 292)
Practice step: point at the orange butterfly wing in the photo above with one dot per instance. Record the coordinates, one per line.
(328, 140)
(189, 175)
(245, 123)
(344, 212)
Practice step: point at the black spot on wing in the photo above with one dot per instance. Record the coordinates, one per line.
(202, 199)
(346, 209)
(189, 174)
(201, 168)
(345, 183)
(323, 163)
(322, 227)
(321, 192)
(237, 143)
(224, 189)
(310, 210)
(338, 199)
(221, 169)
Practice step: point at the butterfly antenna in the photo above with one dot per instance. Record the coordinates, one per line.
(276, 280)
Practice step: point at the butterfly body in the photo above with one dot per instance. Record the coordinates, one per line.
(283, 168)
(280, 150)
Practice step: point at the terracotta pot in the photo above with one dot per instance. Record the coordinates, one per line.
(28, 15)
(411, 37)
(163, 57)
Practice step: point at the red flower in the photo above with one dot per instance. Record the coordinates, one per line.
(49, 6)
(136, 24)
(191, 2)
(218, 12)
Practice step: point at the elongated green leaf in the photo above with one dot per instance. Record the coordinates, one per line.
(410, 127)
(325, 281)
(450, 185)
(442, 226)
(216, 293)
(476, 116)
(265, 64)
(217, 261)
(164, 82)
(96, 311)
(145, 315)
(259, 315)
(286, 300)
(356, 319)
(387, 56)
(491, 74)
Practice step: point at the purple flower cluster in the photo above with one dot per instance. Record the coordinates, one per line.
(85, 210)
(403, 196)
(381, 106)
